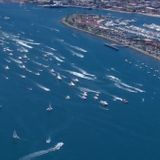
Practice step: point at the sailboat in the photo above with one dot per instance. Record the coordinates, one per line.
(15, 135)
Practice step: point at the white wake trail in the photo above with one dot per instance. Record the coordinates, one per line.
(42, 152)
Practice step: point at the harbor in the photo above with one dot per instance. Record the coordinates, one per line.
(118, 31)
(64, 94)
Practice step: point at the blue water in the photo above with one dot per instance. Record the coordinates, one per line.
(35, 48)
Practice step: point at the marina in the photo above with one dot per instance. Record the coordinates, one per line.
(122, 32)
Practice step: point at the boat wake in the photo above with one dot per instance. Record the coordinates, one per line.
(43, 87)
(124, 86)
(42, 152)
(76, 54)
(81, 75)
(76, 48)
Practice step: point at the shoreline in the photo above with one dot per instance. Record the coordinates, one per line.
(91, 7)
(63, 21)
(140, 13)
(112, 10)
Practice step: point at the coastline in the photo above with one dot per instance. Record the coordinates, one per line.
(63, 21)
(140, 13)
(112, 10)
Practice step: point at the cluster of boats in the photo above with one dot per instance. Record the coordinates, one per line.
(152, 26)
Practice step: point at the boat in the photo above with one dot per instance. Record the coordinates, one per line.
(48, 140)
(49, 108)
(95, 97)
(112, 46)
(103, 103)
(15, 135)
(67, 97)
(53, 6)
(125, 101)
(83, 97)
(71, 84)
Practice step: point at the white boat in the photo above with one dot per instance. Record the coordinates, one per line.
(115, 98)
(103, 103)
(67, 97)
(85, 94)
(59, 77)
(7, 67)
(95, 97)
(15, 135)
(75, 80)
(71, 84)
(83, 97)
(48, 140)
(49, 108)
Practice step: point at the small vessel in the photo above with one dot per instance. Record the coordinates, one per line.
(48, 140)
(95, 97)
(52, 70)
(53, 6)
(71, 84)
(59, 77)
(75, 80)
(67, 97)
(49, 108)
(15, 135)
(37, 74)
(103, 103)
(7, 67)
(83, 97)
(111, 46)
(85, 94)
(125, 101)
(30, 88)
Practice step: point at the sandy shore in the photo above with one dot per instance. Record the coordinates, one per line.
(63, 21)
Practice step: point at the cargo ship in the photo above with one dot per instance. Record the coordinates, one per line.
(111, 46)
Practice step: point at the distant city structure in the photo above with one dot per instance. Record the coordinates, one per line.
(126, 33)
(149, 7)
(139, 6)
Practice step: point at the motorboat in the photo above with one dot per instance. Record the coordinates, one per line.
(103, 103)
